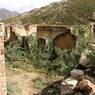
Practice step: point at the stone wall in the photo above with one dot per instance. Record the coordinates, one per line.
(50, 30)
(2, 62)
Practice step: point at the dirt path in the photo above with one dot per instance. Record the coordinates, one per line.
(23, 81)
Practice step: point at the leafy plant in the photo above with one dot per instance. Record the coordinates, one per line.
(14, 52)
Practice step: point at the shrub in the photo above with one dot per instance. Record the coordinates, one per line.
(52, 59)
(66, 61)
(84, 37)
(12, 88)
(14, 52)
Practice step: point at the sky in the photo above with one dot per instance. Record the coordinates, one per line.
(23, 5)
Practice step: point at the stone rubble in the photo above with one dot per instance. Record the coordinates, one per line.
(68, 86)
(82, 80)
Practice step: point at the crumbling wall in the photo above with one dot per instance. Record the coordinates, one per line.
(61, 35)
(2, 62)
(50, 31)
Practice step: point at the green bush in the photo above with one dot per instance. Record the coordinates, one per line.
(66, 60)
(52, 59)
(14, 52)
(84, 37)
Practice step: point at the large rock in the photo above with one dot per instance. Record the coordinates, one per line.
(67, 86)
(85, 61)
(77, 74)
(87, 87)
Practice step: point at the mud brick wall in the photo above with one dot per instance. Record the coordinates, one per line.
(50, 31)
(2, 62)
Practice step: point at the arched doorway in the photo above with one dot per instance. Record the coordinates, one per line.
(65, 40)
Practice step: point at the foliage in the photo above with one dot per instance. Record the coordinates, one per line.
(52, 59)
(12, 89)
(40, 82)
(66, 60)
(14, 52)
(84, 37)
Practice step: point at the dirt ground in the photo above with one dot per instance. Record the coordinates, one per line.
(22, 81)
(32, 82)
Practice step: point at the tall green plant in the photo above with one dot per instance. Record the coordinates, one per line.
(14, 52)
(84, 37)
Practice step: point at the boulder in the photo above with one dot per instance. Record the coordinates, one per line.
(86, 62)
(87, 87)
(77, 74)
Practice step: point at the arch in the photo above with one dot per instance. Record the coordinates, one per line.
(66, 40)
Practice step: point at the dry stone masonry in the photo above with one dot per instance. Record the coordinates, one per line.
(2, 62)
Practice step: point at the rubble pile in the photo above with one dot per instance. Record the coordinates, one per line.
(81, 80)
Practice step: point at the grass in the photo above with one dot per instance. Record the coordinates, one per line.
(25, 65)
(40, 82)
(12, 89)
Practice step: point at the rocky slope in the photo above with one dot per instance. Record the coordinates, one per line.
(68, 12)
(5, 14)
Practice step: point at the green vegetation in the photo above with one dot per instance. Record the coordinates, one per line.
(40, 83)
(12, 89)
(14, 52)
(51, 60)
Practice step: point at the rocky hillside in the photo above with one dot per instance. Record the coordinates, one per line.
(68, 12)
(5, 14)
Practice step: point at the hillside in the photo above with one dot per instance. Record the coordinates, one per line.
(71, 12)
(5, 14)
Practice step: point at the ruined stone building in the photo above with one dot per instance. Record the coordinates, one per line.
(13, 32)
(60, 34)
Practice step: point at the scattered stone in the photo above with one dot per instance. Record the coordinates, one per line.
(14, 69)
(77, 74)
(82, 79)
(86, 62)
(67, 86)
(86, 86)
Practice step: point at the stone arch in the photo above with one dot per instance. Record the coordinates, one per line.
(65, 40)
